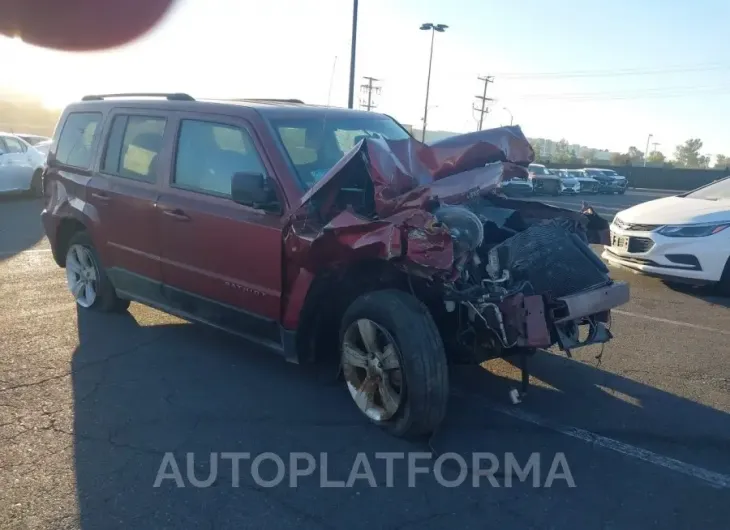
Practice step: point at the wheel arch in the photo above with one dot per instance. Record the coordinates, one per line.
(331, 293)
(65, 231)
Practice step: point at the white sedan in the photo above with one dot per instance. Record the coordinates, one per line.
(683, 238)
(20, 166)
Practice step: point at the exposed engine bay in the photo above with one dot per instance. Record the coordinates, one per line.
(508, 276)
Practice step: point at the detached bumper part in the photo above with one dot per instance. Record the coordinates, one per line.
(587, 303)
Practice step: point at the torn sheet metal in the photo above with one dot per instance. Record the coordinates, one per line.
(403, 172)
(375, 202)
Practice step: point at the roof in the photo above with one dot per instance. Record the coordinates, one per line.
(180, 101)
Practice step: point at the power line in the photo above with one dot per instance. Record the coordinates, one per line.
(616, 72)
(657, 93)
(483, 98)
(368, 88)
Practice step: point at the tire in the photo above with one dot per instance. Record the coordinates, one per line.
(723, 286)
(36, 188)
(622, 192)
(105, 299)
(422, 372)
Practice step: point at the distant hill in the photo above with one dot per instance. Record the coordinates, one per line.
(23, 114)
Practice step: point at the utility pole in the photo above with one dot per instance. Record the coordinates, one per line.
(369, 88)
(483, 98)
(353, 47)
(655, 144)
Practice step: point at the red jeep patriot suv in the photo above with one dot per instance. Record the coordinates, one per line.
(316, 230)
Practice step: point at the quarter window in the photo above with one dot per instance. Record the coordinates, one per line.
(209, 154)
(77, 138)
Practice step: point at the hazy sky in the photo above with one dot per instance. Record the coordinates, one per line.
(619, 70)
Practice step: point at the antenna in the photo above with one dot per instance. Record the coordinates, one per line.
(332, 79)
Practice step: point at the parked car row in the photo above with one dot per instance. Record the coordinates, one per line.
(547, 181)
(21, 164)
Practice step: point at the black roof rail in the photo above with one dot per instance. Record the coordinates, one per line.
(271, 100)
(176, 96)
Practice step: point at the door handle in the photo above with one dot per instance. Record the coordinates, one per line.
(101, 197)
(177, 214)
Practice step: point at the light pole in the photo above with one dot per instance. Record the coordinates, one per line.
(433, 28)
(646, 152)
(351, 93)
(431, 107)
(511, 118)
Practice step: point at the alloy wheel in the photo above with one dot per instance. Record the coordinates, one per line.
(81, 275)
(372, 370)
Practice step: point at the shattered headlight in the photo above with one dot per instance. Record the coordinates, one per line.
(693, 230)
(465, 228)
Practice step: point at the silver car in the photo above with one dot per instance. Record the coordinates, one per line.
(20, 166)
(569, 185)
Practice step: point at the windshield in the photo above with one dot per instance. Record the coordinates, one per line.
(609, 173)
(717, 191)
(575, 174)
(538, 170)
(315, 144)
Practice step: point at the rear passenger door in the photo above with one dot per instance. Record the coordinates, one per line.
(124, 191)
(221, 261)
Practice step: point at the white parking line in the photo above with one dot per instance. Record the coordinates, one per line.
(672, 322)
(714, 479)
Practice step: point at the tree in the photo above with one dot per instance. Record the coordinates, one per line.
(688, 154)
(722, 161)
(657, 157)
(562, 152)
(635, 156)
(618, 159)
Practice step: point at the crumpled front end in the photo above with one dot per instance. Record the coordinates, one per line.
(508, 274)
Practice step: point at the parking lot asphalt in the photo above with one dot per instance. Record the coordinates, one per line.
(90, 405)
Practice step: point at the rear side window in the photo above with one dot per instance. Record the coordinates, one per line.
(14, 145)
(77, 138)
(133, 148)
(208, 154)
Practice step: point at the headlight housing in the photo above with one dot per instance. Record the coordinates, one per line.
(693, 230)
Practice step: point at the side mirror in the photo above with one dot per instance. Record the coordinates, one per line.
(253, 189)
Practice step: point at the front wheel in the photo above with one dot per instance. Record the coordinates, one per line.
(723, 286)
(394, 363)
(86, 278)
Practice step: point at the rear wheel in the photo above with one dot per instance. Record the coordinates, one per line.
(394, 363)
(86, 278)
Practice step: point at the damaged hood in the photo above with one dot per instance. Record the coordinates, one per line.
(408, 174)
(378, 201)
